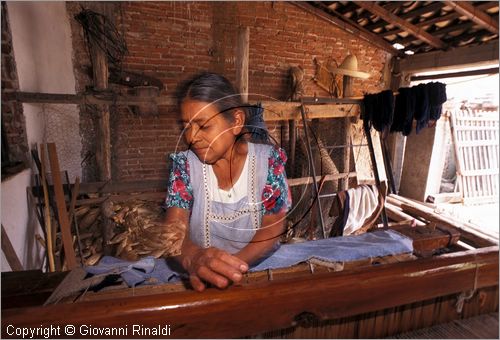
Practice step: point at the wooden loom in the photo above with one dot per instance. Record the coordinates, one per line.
(452, 274)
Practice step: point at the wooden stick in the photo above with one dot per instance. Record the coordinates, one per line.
(72, 216)
(61, 207)
(48, 226)
(397, 215)
(480, 241)
(76, 189)
(10, 253)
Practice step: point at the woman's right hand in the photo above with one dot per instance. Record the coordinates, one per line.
(214, 266)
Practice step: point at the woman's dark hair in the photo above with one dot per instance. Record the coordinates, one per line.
(213, 88)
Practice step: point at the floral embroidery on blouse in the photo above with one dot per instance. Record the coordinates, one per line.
(276, 194)
(180, 191)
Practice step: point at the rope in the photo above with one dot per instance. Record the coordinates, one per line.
(466, 295)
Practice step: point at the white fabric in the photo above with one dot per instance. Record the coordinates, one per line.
(363, 201)
(233, 195)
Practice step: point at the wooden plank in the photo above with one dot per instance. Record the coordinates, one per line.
(61, 207)
(441, 220)
(484, 54)
(477, 128)
(329, 296)
(488, 71)
(470, 234)
(396, 214)
(89, 98)
(480, 172)
(242, 61)
(277, 111)
(468, 118)
(407, 26)
(469, 143)
(309, 180)
(10, 253)
(476, 15)
(123, 198)
(121, 187)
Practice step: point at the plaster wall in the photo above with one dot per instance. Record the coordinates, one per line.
(20, 223)
(42, 47)
(41, 40)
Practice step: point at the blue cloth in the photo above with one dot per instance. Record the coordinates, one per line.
(337, 249)
(147, 270)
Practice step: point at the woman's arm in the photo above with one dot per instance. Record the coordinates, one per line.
(205, 264)
(265, 238)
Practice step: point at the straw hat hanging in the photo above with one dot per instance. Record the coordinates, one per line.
(349, 67)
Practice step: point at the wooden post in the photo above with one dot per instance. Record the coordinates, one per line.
(292, 132)
(242, 58)
(10, 253)
(347, 92)
(100, 73)
(62, 213)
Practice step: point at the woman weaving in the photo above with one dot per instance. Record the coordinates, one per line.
(231, 193)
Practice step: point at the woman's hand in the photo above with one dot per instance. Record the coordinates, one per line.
(214, 266)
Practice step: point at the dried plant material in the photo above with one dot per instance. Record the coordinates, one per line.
(93, 259)
(139, 231)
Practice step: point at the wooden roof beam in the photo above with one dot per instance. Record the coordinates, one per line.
(474, 14)
(411, 14)
(440, 18)
(438, 33)
(467, 56)
(419, 33)
(368, 36)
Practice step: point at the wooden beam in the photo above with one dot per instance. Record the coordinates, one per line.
(62, 212)
(369, 37)
(416, 12)
(322, 296)
(353, 23)
(475, 14)
(10, 253)
(87, 98)
(276, 111)
(439, 18)
(100, 77)
(394, 19)
(468, 56)
(438, 33)
(460, 74)
(242, 60)
(309, 180)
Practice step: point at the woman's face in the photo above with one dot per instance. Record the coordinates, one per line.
(207, 132)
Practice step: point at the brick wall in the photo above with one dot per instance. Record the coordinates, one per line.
(172, 40)
(14, 141)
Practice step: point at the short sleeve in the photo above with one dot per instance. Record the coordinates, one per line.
(276, 195)
(179, 190)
